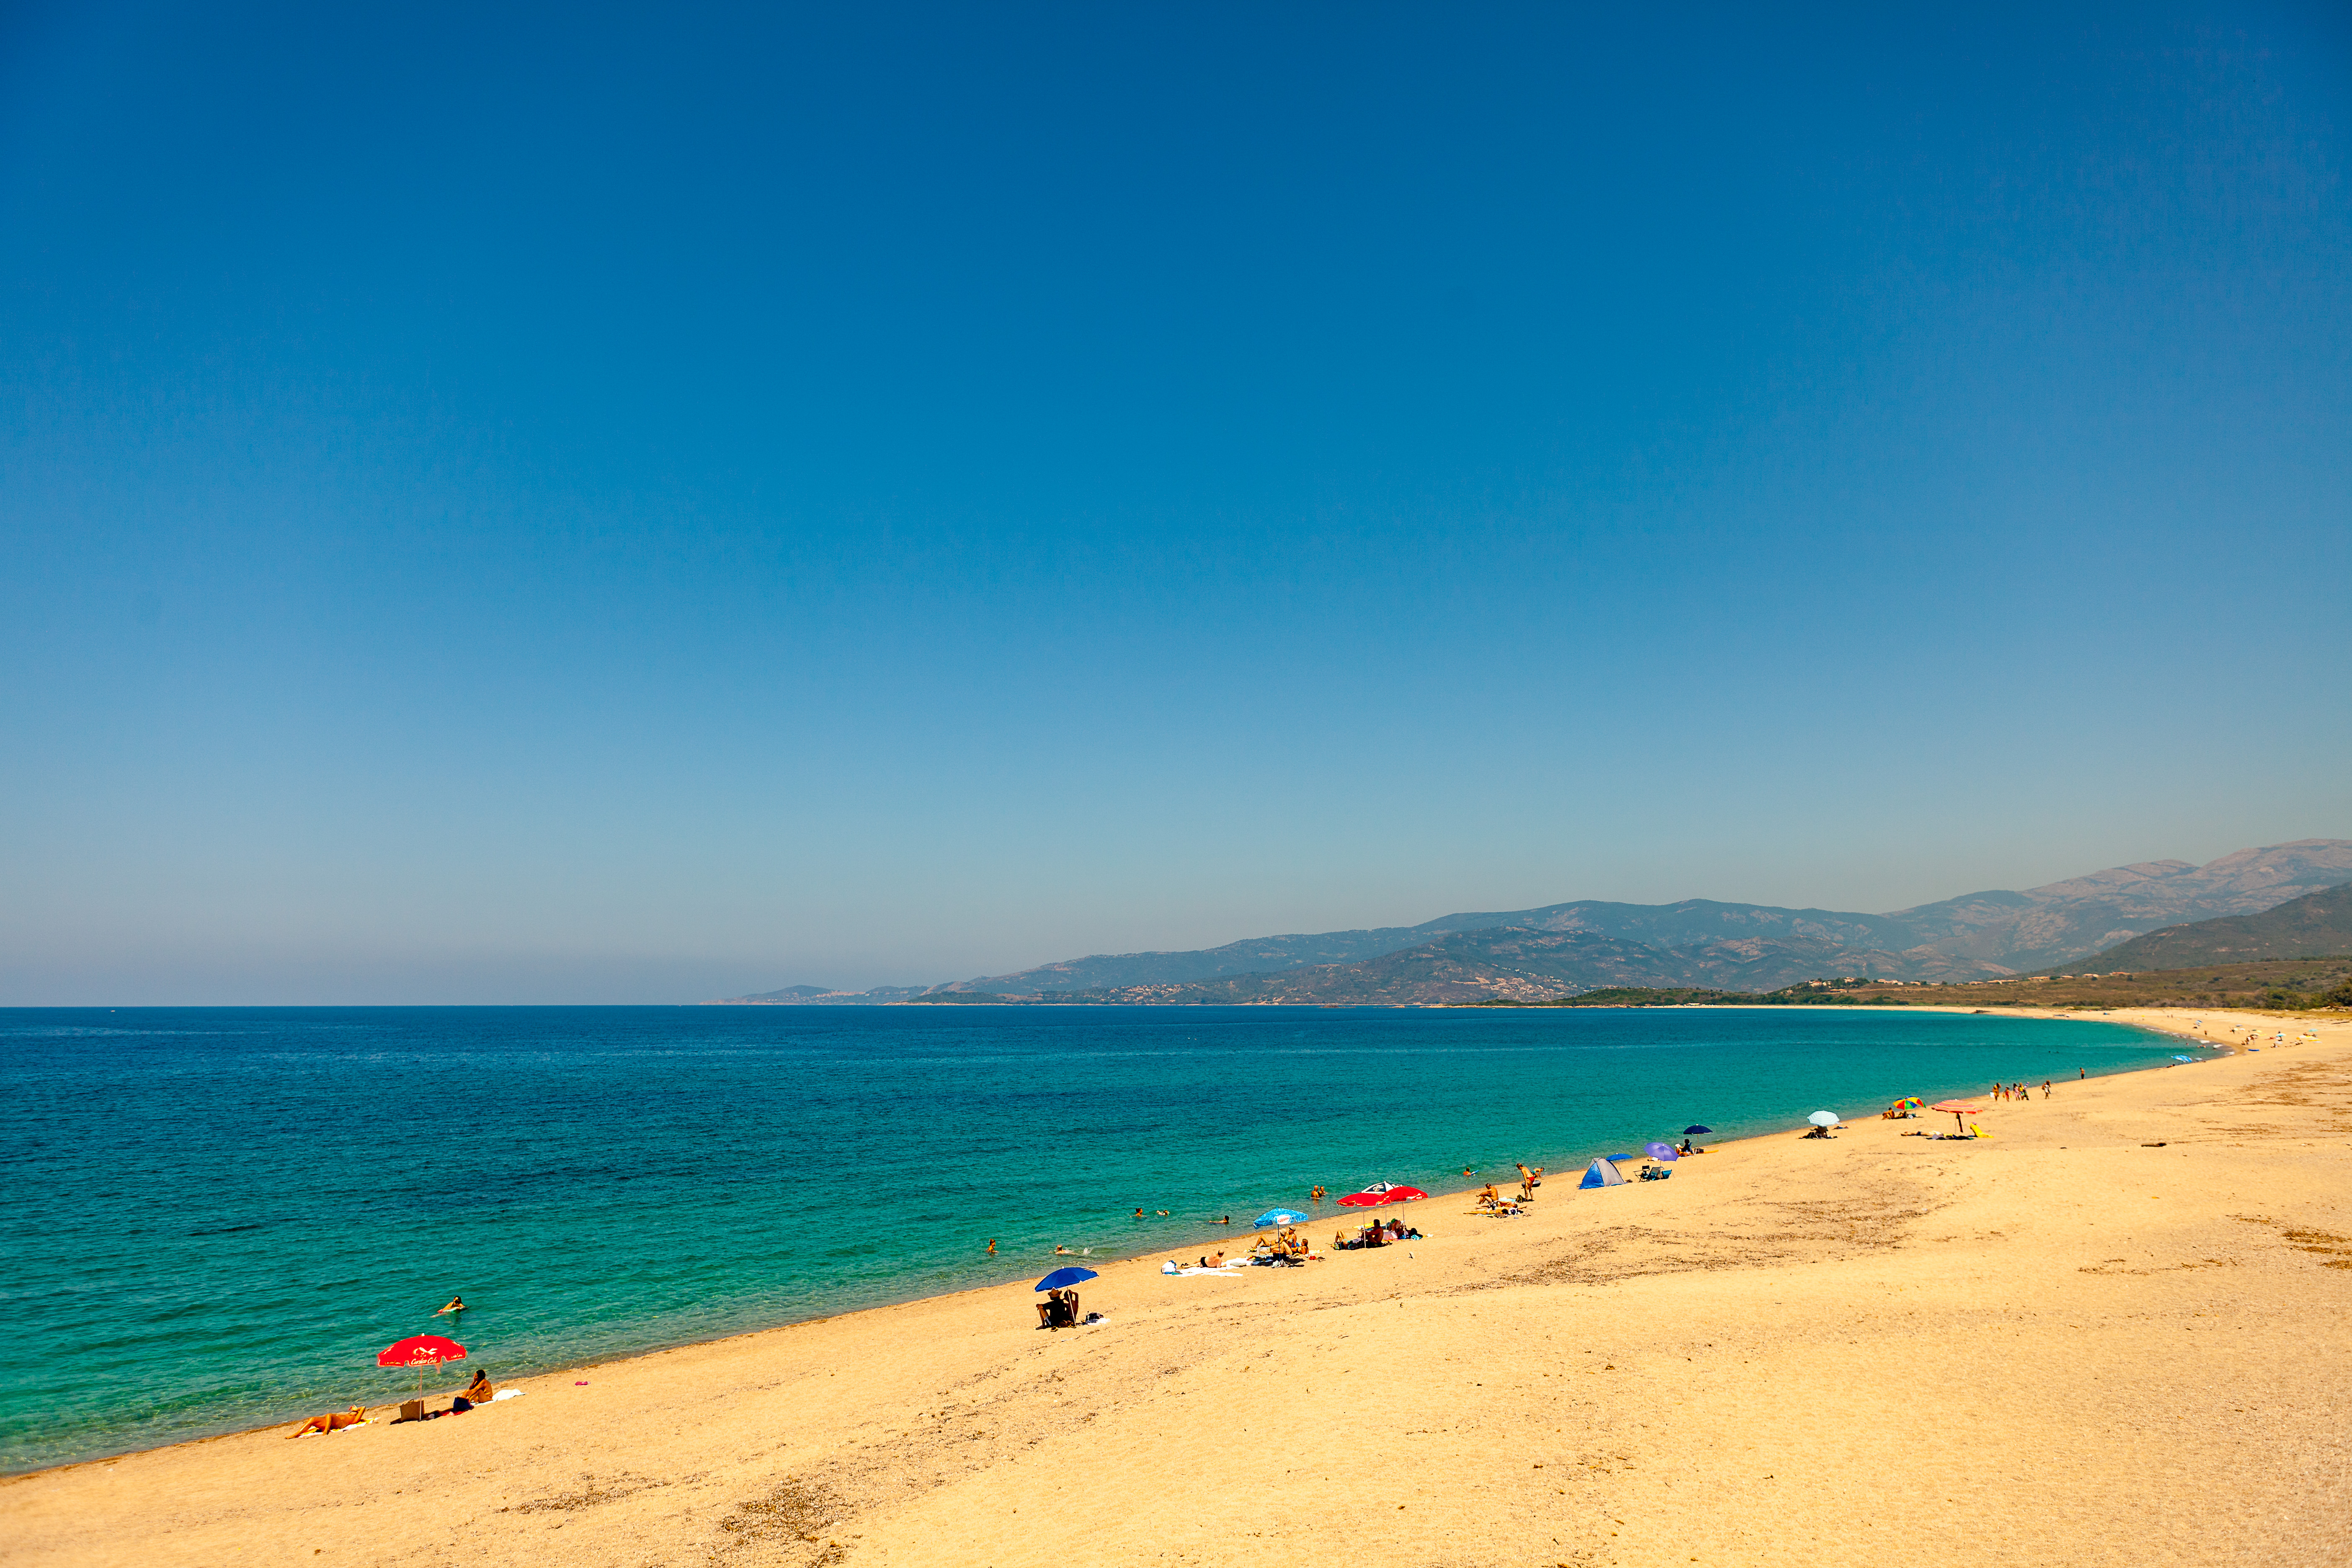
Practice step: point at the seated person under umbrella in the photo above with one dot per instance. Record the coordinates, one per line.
(477, 1392)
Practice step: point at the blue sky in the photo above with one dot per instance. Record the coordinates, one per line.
(561, 505)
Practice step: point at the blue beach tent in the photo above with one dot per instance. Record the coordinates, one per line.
(1602, 1173)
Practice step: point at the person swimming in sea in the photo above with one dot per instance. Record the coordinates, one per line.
(991, 1247)
(457, 1304)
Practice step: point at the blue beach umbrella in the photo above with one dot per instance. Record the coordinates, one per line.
(1695, 1131)
(1062, 1278)
(1280, 1216)
(1659, 1151)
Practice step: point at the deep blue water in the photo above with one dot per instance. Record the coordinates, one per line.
(215, 1217)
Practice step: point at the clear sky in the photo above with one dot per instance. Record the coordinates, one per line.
(593, 504)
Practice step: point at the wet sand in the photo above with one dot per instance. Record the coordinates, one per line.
(2116, 1331)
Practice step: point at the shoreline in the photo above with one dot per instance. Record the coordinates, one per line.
(1769, 1327)
(1239, 1231)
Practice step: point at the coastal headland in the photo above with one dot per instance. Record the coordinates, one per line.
(2115, 1331)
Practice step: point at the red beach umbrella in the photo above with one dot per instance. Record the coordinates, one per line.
(420, 1350)
(1959, 1108)
(1373, 1197)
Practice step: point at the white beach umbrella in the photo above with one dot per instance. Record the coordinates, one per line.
(1825, 1118)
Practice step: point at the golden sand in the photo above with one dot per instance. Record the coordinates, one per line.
(2116, 1331)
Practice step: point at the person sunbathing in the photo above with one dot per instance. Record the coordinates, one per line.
(334, 1421)
(477, 1392)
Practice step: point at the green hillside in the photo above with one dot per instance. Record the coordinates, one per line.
(2317, 925)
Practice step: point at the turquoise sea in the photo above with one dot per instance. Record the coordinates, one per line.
(215, 1217)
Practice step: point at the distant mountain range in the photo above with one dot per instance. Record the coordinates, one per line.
(1563, 949)
(2317, 925)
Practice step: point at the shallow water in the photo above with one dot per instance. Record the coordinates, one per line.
(216, 1216)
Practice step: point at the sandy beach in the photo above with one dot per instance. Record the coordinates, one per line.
(2114, 1331)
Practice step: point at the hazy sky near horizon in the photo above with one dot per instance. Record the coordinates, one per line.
(584, 504)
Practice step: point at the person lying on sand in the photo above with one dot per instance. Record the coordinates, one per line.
(334, 1421)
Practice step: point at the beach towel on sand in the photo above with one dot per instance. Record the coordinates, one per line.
(508, 1394)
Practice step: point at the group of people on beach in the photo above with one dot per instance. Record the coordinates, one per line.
(2019, 1091)
(479, 1392)
(1285, 1246)
(1380, 1233)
